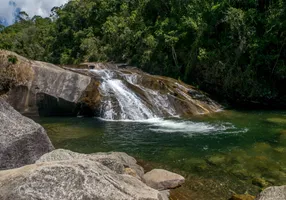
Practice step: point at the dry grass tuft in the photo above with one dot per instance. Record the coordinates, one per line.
(14, 70)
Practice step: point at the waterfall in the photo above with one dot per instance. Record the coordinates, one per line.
(129, 94)
(120, 102)
(131, 106)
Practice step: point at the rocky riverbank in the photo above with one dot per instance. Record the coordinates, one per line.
(50, 174)
(32, 169)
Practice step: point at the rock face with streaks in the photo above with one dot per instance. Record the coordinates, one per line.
(39, 88)
(72, 180)
(22, 141)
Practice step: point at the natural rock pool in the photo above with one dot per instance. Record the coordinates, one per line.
(219, 154)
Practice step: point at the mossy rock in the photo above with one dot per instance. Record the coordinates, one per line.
(260, 182)
(278, 175)
(241, 173)
(261, 147)
(242, 197)
(282, 138)
(216, 160)
(277, 120)
(279, 149)
(264, 164)
(198, 165)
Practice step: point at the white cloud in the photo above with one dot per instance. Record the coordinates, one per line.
(31, 7)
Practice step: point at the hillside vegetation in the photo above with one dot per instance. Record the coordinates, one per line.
(232, 49)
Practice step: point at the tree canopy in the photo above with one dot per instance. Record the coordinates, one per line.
(233, 49)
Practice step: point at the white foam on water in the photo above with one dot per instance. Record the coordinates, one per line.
(160, 125)
(172, 126)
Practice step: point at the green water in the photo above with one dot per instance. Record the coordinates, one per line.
(219, 154)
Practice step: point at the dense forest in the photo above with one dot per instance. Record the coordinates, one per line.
(233, 49)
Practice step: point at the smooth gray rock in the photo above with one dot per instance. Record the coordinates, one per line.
(22, 141)
(273, 193)
(116, 161)
(72, 180)
(161, 179)
(48, 90)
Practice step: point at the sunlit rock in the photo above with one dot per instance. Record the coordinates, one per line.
(162, 179)
(48, 90)
(117, 161)
(72, 179)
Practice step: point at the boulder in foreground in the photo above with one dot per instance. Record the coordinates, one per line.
(116, 161)
(161, 179)
(22, 141)
(72, 180)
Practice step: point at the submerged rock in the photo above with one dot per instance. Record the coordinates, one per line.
(117, 161)
(162, 179)
(216, 160)
(260, 182)
(277, 120)
(70, 180)
(273, 193)
(22, 141)
(242, 197)
(282, 138)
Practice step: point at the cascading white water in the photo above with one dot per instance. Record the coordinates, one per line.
(131, 107)
(121, 103)
(128, 94)
(160, 103)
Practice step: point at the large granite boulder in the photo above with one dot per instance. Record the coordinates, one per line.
(273, 193)
(39, 88)
(72, 180)
(161, 179)
(119, 162)
(22, 141)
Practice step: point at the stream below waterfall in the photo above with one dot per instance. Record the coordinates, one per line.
(165, 123)
(219, 154)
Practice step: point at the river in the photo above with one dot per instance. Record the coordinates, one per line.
(219, 154)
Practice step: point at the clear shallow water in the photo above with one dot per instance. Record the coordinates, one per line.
(219, 154)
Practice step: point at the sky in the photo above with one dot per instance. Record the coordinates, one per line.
(8, 8)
